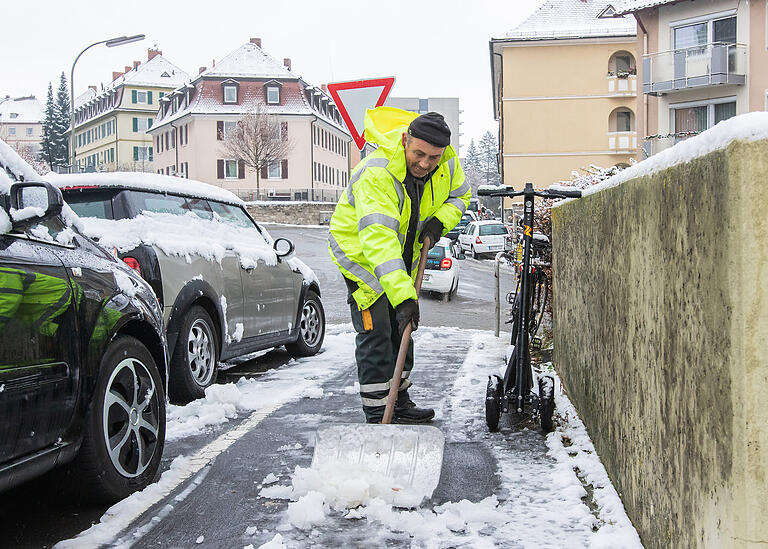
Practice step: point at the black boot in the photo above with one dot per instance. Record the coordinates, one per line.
(406, 410)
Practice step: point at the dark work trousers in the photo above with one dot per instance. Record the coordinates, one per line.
(376, 347)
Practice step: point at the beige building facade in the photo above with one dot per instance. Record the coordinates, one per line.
(190, 128)
(21, 122)
(565, 92)
(700, 63)
(111, 124)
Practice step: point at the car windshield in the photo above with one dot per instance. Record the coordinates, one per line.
(158, 203)
(90, 204)
(492, 229)
(438, 252)
(234, 215)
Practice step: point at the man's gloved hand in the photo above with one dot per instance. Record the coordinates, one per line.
(432, 229)
(407, 311)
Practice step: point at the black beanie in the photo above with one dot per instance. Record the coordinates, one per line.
(431, 127)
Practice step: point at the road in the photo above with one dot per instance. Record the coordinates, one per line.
(217, 462)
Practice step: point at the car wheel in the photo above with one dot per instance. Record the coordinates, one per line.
(472, 252)
(311, 328)
(124, 431)
(454, 290)
(193, 365)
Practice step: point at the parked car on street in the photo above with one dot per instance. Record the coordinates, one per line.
(82, 353)
(441, 274)
(466, 218)
(225, 286)
(483, 238)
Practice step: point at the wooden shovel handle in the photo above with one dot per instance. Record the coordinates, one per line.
(394, 385)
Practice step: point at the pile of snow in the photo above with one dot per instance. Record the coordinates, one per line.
(145, 181)
(751, 126)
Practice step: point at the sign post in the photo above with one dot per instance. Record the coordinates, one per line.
(354, 98)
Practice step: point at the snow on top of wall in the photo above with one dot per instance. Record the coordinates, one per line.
(751, 126)
(28, 110)
(145, 181)
(250, 60)
(572, 19)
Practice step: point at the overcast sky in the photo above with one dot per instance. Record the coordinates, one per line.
(432, 48)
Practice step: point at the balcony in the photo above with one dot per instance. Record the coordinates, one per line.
(622, 142)
(622, 86)
(690, 68)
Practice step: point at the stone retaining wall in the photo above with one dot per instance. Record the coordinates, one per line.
(661, 336)
(296, 213)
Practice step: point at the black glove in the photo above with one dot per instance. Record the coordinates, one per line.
(432, 229)
(407, 311)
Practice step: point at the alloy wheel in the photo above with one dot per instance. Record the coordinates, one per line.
(200, 352)
(131, 417)
(311, 325)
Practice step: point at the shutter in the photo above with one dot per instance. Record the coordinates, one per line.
(284, 169)
(284, 130)
(133, 96)
(135, 152)
(162, 94)
(149, 122)
(149, 97)
(241, 169)
(264, 172)
(220, 169)
(219, 130)
(151, 155)
(135, 124)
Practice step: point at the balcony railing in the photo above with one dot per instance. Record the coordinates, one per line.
(654, 144)
(699, 66)
(622, 142)
(622, 86)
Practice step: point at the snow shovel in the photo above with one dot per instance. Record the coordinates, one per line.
(411, 456)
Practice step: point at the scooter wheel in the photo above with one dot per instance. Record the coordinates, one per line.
(546, 403)
(493, 403)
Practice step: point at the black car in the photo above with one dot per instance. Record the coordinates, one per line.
(82, 354)
(465, 220)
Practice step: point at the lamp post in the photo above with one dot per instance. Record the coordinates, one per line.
(111, 43)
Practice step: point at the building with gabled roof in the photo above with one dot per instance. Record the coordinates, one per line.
(702, 62)
(21, 122)
(564, 91)
(111, 123)
(195, 118)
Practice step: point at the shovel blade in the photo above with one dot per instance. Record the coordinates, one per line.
(410, 455)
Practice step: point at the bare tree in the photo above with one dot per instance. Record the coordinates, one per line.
(258, 139)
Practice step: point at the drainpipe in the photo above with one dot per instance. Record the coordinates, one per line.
(500, 162)
(312, 155)
(117, 149)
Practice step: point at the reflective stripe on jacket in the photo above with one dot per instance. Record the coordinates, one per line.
(370, 223)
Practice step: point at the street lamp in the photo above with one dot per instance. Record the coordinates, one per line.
(111, 43)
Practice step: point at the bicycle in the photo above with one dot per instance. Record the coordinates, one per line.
(514, 393)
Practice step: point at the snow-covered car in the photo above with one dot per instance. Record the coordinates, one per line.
(82, 353)
(226, 287)
(441, 274)
(483, 237)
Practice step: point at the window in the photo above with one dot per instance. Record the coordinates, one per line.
(143, 201)
(623, 121)
(229, 127)
(91, 204)
(230, 169)
(493, 229)
(140, 124)
(423, 106)
(230, 93)
(698, 116)
(623, 63)
(273, 95)
(11, 131)
(273, 170)
(142, 97)
(704, 32)
(29, 131)
(14, 115)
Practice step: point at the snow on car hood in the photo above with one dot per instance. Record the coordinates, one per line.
(183, 236)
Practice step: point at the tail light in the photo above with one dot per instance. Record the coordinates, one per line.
(477, 240)
(445, 264)
(133, 263)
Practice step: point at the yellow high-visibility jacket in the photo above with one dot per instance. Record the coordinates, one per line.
(370, 223)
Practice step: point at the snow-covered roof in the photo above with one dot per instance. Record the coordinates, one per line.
(145, 181)
(560, 19)
(249, 60)
(22, 110)
(751, 126)
(629, 6)
(157, 72)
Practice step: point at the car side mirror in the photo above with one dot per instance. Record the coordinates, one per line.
(283, 247)
(34, 201)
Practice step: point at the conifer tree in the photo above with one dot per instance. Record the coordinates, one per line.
(62, 116)
(47, 142)
(488, 165)
(473, 158)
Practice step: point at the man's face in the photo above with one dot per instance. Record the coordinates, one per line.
(420, 157)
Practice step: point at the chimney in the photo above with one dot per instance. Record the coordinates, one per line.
(287, 63)
(92, 88)
(202, 70)
(213, 62)
(256, 41)
(151, 53)
(127, 68)
(116, 75)
(136, 64)
(324, 88)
